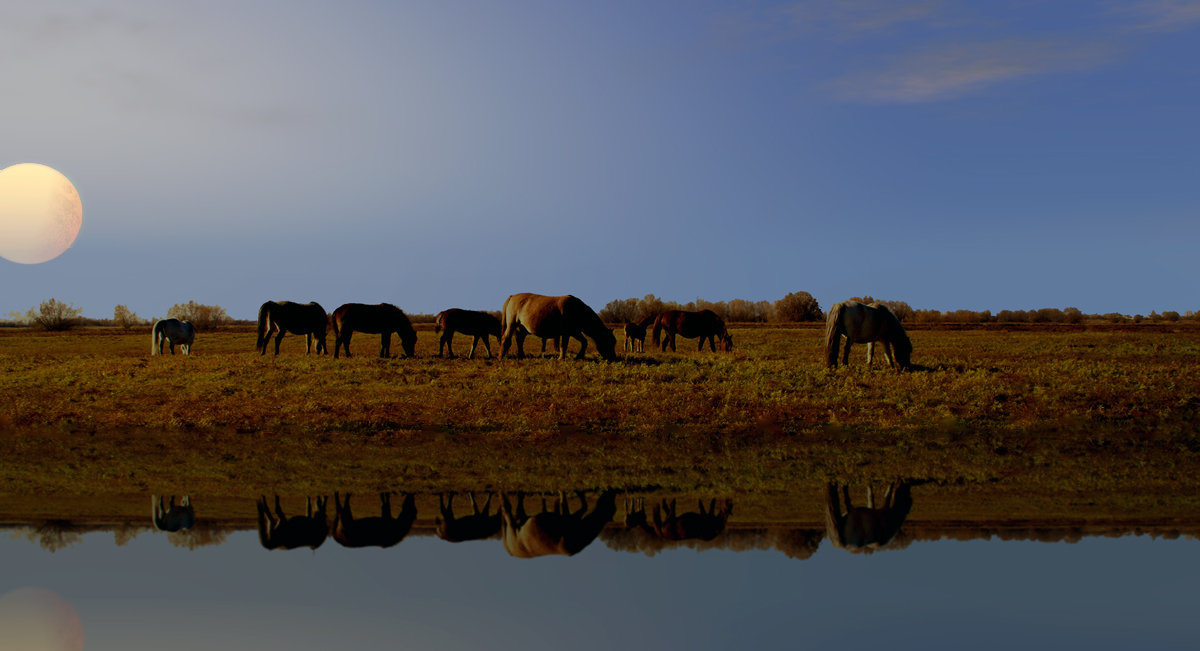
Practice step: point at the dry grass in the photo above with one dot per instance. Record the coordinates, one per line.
(1062, 411)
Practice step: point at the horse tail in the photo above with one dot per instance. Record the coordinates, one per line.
(437, 323)
(263, 314)
(154, 338)
(833, 327)
(658, 325)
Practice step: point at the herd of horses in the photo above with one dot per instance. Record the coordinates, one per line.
(551, 318)
(558, 529)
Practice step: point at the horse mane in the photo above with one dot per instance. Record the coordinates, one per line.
(647, 320)
(833, 324)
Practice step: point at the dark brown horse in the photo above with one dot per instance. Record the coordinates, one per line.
(278, 318)
(381, 531)
(382, 319)
(635, 334)
(863, 529)
(694, 525)
(557, 531)
(555, 317)
(469, 322)
(860, 323)
(479, 525)
(282, 532)
(704, 324)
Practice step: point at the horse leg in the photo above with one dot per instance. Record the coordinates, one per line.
(521, 343)
(385, 344)
(846, 353)
(279, 338)
(487, 346)
(870, 353)
(343, 343)
(582, 347)
(308, 343)
(474, 343)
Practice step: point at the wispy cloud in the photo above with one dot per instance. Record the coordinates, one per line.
(1163, 15)
(954, 70)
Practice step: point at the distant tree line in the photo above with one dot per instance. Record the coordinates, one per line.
(798, 306)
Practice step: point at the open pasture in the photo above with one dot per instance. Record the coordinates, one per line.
(1063, 408)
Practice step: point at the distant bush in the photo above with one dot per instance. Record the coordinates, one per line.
(202, 317)
(798, 306)
(125, 318)
(51, 315)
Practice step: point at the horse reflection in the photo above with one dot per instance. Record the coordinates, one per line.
(381, 531)
(668, 525)
(557, 531)
(857, 528)
(172, 518)
(477, 526)
(282, 532)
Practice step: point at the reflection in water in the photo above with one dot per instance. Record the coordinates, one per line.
(282, 532)
(693, 525)
(865, 529)
(382, 531)
(172, 518)
(557, 531)
(480, 525)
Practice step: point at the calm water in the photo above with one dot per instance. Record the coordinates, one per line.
(424, 593)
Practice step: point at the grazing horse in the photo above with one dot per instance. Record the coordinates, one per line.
(704, 324)
(555, 532)
(172, 518)
(382, 531)
(278, 318)
(694, 525)
(857, 528)
(469, 322)
(171, 332)
(867, 324)
(477, 526)
(635, 334)
(382, 319)
(555, 317)
(282, 532)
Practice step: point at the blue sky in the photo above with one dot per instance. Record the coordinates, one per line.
(953, 155)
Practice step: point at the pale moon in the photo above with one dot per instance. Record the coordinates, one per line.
(40, 213)
(36, 619)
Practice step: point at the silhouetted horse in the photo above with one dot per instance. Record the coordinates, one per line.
(859, 324)
(555, 532)
(469, 322)
(865, 528)
(171, 332)
(382, 531)
(694, 525)
(172, 518)
(382, 319)
(704, 324)
(557, 317)
(635, 334)
(282, 532)
(278, 318)
(477, 526)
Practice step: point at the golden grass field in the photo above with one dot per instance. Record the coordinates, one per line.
(1063, 417)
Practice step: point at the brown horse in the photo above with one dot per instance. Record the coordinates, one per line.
(704, 324)
(479, 525)
(635, 334)
(381, 531)
(283, 532)
(555, 317)
(557, 531)
(860, 323)
(469, 322)
(864, 529)
(278, 318)
(382, 319)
